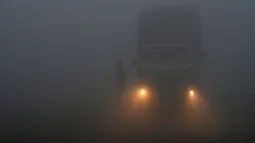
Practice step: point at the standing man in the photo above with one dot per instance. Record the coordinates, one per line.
(120, 79)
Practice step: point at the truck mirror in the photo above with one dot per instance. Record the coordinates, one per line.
(134, 62)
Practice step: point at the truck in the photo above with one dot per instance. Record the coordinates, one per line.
(168, 62)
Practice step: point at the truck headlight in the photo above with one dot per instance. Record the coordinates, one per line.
(141, 98)
(142, 94)
(193, 96)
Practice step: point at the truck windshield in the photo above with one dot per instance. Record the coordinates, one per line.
(169, 53)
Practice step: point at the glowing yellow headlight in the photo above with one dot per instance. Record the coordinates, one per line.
(192, 92)
(142, 94)
(192, 95)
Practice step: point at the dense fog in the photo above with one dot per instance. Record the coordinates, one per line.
(58, 59)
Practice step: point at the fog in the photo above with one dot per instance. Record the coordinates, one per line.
(58, 58)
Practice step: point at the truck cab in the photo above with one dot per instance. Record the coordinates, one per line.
(169, 56)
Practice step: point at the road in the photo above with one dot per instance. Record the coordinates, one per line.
(203, 124)
(103, 122)
(194, 124)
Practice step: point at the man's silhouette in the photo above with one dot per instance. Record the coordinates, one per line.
(120, 78)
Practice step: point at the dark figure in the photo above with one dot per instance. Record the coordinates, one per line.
(120, 78)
